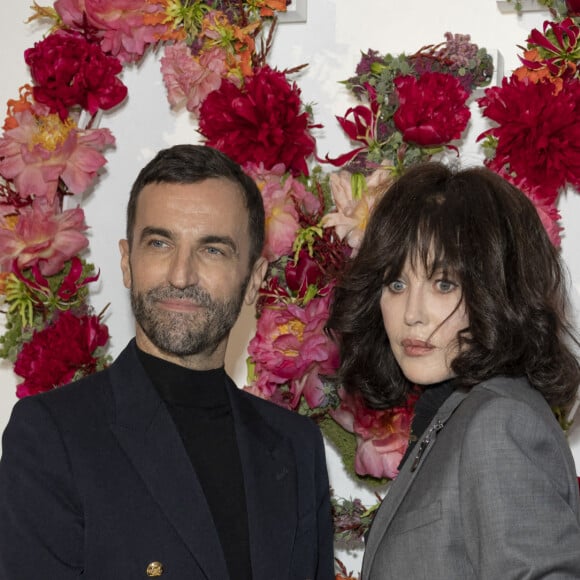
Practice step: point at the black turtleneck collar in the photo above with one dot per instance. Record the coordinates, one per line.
(432, 397)
(185, 387)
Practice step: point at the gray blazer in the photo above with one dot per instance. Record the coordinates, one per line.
(489, 492)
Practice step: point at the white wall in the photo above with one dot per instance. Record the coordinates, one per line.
(330, 41)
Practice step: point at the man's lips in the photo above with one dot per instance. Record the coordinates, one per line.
(414, 347)
(179, 305)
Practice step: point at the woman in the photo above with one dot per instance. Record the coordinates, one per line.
(457, 288)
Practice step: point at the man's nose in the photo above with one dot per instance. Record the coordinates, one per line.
(183, 270)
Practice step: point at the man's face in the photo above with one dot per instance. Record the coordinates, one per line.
(188, 269)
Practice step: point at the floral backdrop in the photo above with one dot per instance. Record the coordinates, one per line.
(215, 64)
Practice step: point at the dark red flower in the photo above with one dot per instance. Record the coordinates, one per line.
(258, 123)
(432, 109)
(58, 352)
(303, 273)
(69, 70)
(538, 132)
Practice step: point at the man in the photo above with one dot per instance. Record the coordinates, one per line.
(160, 466)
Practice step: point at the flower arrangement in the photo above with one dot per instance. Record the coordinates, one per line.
(51, 150)
(539, 151)
(409, 108)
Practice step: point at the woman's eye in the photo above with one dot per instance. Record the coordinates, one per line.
(396, 286)
(445, 286)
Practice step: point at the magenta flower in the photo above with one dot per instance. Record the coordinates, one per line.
(189, 79)
(65, 349)
(432, 109)
(42, 149)
(362, 127)
(290, 342)
(44, 237)
(69, 70)
(262, 122)
(537, 132)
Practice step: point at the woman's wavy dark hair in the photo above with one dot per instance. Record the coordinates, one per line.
(486, 232)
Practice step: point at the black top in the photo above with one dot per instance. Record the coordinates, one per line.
(199, 405)
(425, 409)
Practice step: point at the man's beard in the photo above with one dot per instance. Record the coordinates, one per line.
(181, 333)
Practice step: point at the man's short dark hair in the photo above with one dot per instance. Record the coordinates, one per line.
(185, 164)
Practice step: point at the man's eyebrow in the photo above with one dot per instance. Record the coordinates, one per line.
(225, 240)
(149, 231)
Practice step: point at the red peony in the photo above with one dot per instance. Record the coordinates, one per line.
(259, 123)
(58, 352)
(538, 132)
(432, 110)
(68, 70)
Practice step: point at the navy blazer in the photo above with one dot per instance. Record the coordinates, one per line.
(95, 481)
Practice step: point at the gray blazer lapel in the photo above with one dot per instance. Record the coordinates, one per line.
(270, 485)
(398, 488)
(146, 432)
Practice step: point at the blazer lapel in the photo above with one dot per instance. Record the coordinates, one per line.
(398, 488)
(269, 471)
(147, 434)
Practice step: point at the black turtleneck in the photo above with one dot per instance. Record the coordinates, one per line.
(425, 409)
(199, 405)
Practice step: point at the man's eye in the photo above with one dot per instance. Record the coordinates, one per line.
(214, 251)
(157, 243)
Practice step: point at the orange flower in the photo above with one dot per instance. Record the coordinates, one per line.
(268, 7)
(24, 103)
(539, 74)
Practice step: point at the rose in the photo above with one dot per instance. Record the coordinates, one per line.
(59, 352)
(431, 109)
(69, 70)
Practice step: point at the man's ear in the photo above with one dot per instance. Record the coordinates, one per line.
(256, 278)
(125, 265)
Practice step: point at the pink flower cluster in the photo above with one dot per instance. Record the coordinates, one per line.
(382, 436)
(125, 28)
(290, 347)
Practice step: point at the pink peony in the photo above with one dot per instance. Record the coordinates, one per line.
(42, 149)
(290, 342)
(42, 237)
(189, 79)
(382, 436)
(125, 27)
(432, 110)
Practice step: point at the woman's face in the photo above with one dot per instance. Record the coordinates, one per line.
(422, 316)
